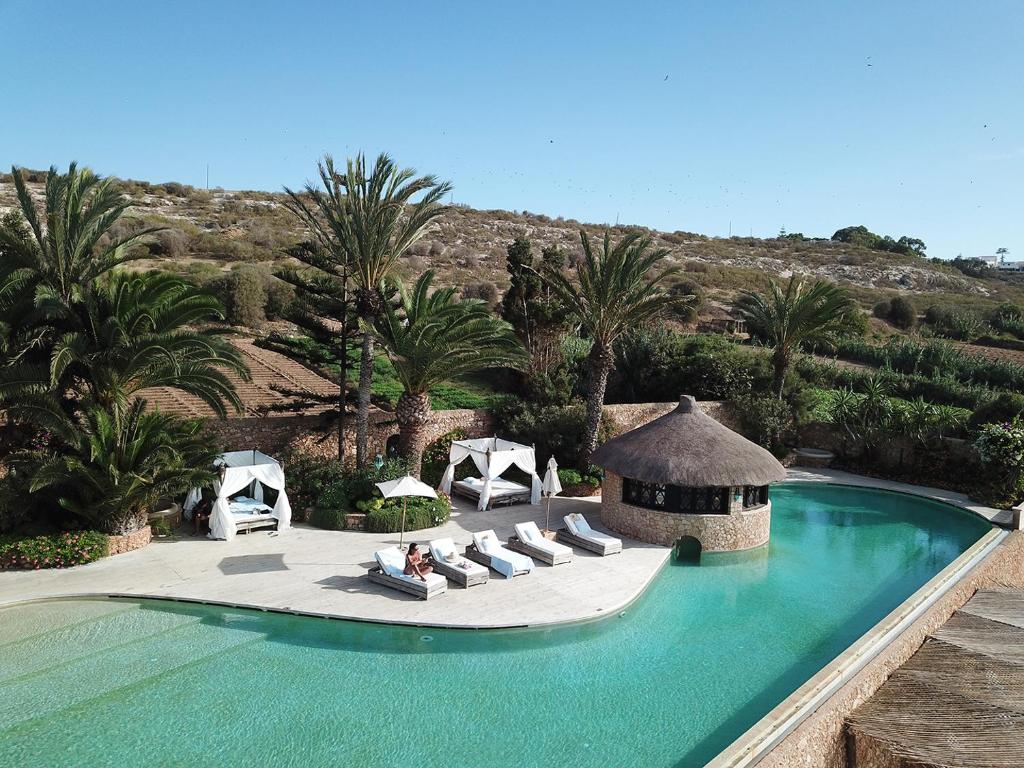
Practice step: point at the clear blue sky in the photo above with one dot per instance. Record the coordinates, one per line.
(907, 117)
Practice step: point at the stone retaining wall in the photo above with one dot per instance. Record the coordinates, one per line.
(820, 741)
(309, 434)
(738, 530)
(129, 541)
(627, 416)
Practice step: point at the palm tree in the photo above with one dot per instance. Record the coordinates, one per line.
(128, 333)
(123, 461)
(73, 331)
(787, 319)
(68, 244)
(616, 289)
(431, 338)
(369, 220)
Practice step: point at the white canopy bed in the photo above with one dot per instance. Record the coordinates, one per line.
(248, 471)
(492, 456)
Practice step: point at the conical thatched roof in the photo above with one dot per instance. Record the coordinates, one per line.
(689, 448)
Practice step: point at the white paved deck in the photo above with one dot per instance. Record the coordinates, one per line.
(324, 572)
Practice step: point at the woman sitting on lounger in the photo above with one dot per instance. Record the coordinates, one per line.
(415, 565)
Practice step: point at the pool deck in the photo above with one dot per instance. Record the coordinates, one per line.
(323, 573)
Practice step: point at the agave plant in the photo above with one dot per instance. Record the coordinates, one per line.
(616, 289)
(366, 219)
(431, 338)
(125, 459)
(789, 318)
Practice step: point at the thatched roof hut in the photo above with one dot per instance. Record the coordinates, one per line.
(688, 448)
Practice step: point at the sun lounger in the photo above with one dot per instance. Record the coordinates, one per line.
(530, 541)
(448, 562)
(486, 549)
(578, 533)
(389, 573)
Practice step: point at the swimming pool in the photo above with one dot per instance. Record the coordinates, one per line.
(705, 653)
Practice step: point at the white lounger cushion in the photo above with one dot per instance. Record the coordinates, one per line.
(392, 562)
(487, 542)
(530, 534)
(442, 549)
(505, 561)
(579, 526)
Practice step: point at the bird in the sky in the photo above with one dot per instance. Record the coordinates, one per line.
(666, 79)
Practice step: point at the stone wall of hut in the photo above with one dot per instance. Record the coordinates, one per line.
(740, 529)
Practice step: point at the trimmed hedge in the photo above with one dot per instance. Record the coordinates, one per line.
(331, 507)
(60, 550)
(386, 516)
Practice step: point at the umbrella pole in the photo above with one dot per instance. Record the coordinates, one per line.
(547, 517)
(401, 536)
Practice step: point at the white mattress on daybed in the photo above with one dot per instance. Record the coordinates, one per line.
(246, 510)
(499, 487)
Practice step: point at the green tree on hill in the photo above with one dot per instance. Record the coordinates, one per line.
(535, 311)
(862, 236)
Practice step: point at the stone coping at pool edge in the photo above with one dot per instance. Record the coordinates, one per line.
(320, 573)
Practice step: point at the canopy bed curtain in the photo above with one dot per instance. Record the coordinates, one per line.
(244, 470)
(492, 456)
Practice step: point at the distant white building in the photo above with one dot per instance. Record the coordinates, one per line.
(998, 262)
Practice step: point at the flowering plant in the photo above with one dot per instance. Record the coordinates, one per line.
(55, 551)
(1002, 444)
(1002, 450)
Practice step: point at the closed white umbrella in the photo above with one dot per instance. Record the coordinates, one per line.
(405, 487)
(550, 487)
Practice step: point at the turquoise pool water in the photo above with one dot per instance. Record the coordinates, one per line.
(705, 653)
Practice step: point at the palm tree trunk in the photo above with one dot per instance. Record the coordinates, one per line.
(365, 389)
(413, 415)
(601, 364)
(780, 362)
(125, 522)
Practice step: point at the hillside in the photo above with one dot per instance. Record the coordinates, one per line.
(210, 231)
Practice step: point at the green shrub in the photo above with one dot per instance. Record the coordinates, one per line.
(160, 526)
(766, 420)
(435, 459)
(902, 313)
(954, 323)
(55, 551)
(658, 365)
(553, 430)
(881, 309)
(1002, 453)
(570, 477)
(331, 507)
(308, 477)
(361, 484)
(1004, 408)
(328, 518)
(385, 516)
